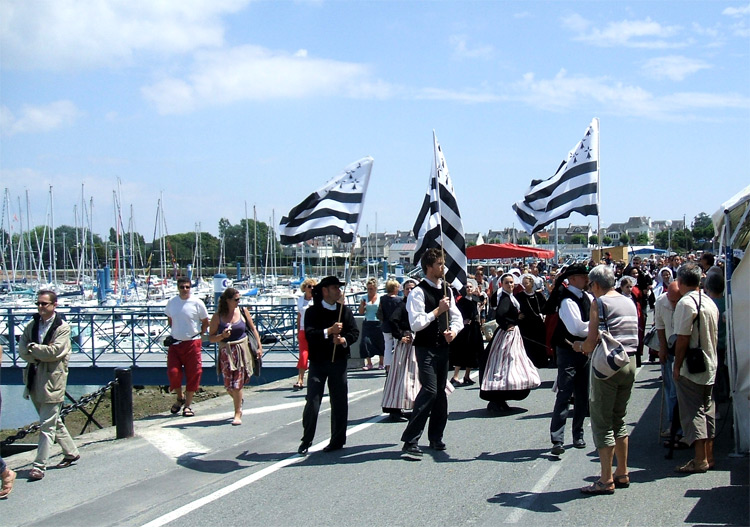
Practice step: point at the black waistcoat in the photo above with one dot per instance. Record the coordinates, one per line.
(561, 332)
(432, 335)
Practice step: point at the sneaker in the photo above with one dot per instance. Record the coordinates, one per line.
(557, 448)
(411, 451)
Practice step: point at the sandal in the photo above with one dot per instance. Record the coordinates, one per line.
(8, 478)
(67, 461)
(188, 412)
(622, 482)
(692, 468)
(177, 406)
(599, 488)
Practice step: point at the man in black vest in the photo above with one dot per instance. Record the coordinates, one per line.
(330, 330)
(572, 373)
(435, 320)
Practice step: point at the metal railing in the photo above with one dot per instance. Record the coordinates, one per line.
(135, 332)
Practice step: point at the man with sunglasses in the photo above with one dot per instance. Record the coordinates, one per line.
(188, 320)
(45, 346)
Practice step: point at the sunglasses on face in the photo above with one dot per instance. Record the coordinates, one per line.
(43, 304)
(236, 299)
(185, 287)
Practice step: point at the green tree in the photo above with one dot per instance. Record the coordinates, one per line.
(578, 239)
(642, 239)
(624, 239)
(594, 240)
(703, 230)
(607, 240)
(524, 241)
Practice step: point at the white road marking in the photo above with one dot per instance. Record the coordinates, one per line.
(525, 504)
(172, 443)
(252, 478)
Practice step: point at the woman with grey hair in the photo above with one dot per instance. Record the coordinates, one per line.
(608, 398)
(531, 321)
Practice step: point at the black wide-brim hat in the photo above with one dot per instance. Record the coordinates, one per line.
(329, 281)
(574, 270)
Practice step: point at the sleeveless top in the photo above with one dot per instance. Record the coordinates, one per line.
(622, 321)
(238, 328)
(371, 310)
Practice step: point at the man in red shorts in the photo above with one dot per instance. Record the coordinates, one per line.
(188, 318)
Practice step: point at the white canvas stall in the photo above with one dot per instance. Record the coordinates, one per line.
(732, 224)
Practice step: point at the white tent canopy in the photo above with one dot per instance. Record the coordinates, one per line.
(732, 225)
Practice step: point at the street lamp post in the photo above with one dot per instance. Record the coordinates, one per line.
(668, 223)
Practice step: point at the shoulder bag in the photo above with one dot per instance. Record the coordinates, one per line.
(694, 356)
(253, 343)
(608, 355)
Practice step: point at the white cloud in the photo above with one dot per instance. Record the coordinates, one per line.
(461, 50)
(565, 92)
(34, 119)
(256, 73)
(627, 33)
(737, 12)
(64, 34)
(674, 67)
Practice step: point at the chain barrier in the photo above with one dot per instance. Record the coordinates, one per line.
(82, 403)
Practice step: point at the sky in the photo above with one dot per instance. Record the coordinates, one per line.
(221, 106)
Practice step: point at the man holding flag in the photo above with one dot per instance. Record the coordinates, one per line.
(335, 209)
(433, 315)
(436, 321)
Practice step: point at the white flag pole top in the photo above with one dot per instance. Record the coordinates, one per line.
(573, 187)
(595, 125)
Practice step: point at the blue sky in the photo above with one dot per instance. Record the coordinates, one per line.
(218, 103)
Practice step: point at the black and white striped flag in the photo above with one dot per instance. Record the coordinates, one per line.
(440, 213)
(573, 188)
(334, 209)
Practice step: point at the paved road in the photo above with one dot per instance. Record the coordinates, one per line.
(497, 470)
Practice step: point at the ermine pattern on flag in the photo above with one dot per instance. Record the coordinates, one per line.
(573, 188)
(334, 209)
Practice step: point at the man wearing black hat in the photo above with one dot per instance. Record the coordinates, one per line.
(572, 373)
(330, 330)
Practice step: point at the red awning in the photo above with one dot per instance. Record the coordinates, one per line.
(489, 251)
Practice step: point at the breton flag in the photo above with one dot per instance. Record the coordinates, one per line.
(334, 209)
(439, 222)
(573, 188)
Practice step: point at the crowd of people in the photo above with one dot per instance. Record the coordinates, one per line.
(540, 317)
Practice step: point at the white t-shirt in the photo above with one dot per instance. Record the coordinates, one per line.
(186, 316)
(302, 305)
(664, 315)
(684, 314)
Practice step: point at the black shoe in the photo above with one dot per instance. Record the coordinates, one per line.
(303, 447)
(456, 383)
(557, 448)
(411, 451)
(437, 445)
(468, 382)
(332, 448)
(579, 443)
(398, 417)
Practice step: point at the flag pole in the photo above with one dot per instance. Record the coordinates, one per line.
(598, 190)
(440, 222)
(350, 257)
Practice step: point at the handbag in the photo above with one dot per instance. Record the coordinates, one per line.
(694, 356)
(254, 345)
(651, 339)
(609, 355)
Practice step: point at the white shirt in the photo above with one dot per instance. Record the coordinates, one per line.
(187, 317)
(302, 305)
(419, 319)
(330, 307)
(570, 314)
(44, 327)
